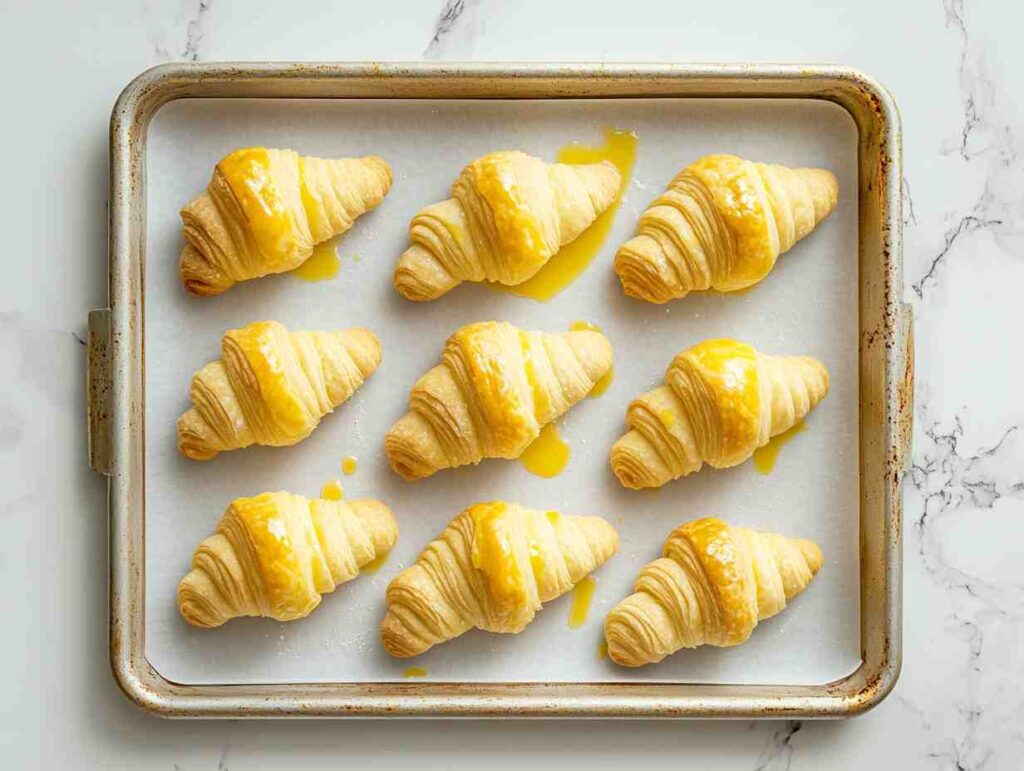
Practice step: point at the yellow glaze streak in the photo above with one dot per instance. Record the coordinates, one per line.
(282, 574)
(349, 465)
(548, 454)
(256, 342)
(742, 200)
(415, 672)
(498, 397)
(541, 403)
(716, 550)
(332, 491)
(729, 368)
(247, 173)
(765, 457)
(562, 269)
(493, 553)
(519, 231)
(582, 596)
(603, 383)
(602, 649)
(323, 263)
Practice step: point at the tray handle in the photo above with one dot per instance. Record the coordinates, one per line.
(98, 390)
(905, 386)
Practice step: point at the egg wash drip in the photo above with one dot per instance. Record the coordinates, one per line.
(582, 596)
(765, 457)
(606, 379)
(563, 268)
(415, 672)
(349, 465)
(548, 454)
(332, 491)
(323, 264)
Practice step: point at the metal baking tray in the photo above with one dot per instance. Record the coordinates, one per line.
(118, 384)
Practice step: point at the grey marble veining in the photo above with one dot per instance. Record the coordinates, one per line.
(953, 68)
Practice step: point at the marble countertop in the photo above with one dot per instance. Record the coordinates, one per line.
(959, 703)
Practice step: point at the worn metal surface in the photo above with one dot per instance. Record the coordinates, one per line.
(116, 397)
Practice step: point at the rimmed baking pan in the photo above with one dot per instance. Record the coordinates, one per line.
(842, 296)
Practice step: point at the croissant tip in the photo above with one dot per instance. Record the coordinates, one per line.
(193, 447)
(419, 276)
(411, 289)
(193, 609)
(812, 554)
(396, 640)
(629, 466)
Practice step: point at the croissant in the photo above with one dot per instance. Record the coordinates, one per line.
(711, 586)
(721, 224)
(264, 210)
(272, 387)
(508, 214)
(491, 568)
(274, 555)
(720, 402)
(494, 390)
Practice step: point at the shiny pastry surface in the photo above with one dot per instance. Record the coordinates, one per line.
(276, 554)
(491, 568)
(508, 214)
(272, 386)
(720, 402)
(494, 390)
(711, 586)
(721, 224)
(264, 211)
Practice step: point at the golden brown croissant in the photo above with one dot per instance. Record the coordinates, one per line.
(264, 210)
(494, 390)
(491, 568)
(272, 387)
(508, 214)
(275, 554)
(721, 224)
(720, 402)
(711, 586)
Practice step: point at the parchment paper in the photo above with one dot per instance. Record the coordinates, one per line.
(807, 305)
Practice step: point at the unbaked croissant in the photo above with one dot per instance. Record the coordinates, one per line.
(272, 387)
(491, 568)
(720, 402)
(508, 214)
(721, 224)
(494, 390)
(711, 586)
(275, 554)
(264, 210)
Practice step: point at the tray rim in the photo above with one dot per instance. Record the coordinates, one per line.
(116, 364)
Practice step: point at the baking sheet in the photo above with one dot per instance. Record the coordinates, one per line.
(807, 305)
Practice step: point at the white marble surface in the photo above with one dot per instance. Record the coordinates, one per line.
(959, 702)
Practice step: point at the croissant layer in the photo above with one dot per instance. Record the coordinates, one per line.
(491, 568)
(720, 402)
(721, 224)
(711, 586)
(508, 214)
(264, 210)
(494, 390)
(272, 387)
(276, 554)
